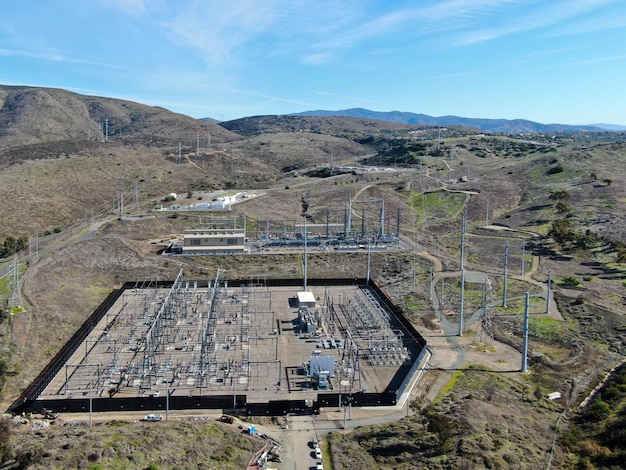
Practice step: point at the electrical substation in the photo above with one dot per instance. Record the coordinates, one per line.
(339, 231)
(265, 347)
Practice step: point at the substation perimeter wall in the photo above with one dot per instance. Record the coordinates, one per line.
(28, 402)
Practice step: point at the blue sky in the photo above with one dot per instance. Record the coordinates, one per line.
(552, 61)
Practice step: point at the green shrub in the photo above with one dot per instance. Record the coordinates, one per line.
(558, 168)
(570, 281)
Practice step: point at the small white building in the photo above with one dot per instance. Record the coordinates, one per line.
(306, 299)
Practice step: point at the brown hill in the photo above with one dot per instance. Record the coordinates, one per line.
(352, 127)
(53, 155)
(34, 115)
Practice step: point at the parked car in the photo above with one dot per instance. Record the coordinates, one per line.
(318, 453)
(152, 418)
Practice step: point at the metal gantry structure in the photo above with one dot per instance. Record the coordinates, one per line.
(185, 337)
(342, 232)
(367, 334)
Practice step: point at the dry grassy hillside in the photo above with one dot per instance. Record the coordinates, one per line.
(513, 191)
(251, 126)
(34, 115)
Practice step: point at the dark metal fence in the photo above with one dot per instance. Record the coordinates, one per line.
(28, 400)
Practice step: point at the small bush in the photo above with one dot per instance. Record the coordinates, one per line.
(555, 170)
(570, 281)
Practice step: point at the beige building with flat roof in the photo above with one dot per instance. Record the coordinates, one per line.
(214, 241)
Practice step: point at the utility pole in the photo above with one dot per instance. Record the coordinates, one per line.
(235, 393)
(305, 255)
(443, 297)
(548, 294)
(461, 326)
(487, 211)
(506, 269)
(525, 342)
(369, 255)
(136, 196)
(523, 256)
(121, 197)
(432, 276)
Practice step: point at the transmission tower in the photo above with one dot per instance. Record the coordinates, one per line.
(15, 298)
(485, 319)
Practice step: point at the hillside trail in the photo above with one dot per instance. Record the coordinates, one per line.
(451, 349)
(361, 190)
(529, 274)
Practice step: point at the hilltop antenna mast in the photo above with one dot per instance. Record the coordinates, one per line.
(106, 130)
(197, 143)
(179, 152)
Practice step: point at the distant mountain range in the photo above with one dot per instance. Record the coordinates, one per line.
(516, 126)
(610, 127)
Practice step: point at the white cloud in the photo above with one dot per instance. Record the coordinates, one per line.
(52, 56)
(595, 60)
(416, 21)
(540, 16)
(216, 31)
(49, 56)
(317, 58)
